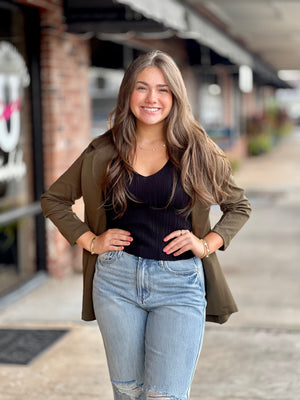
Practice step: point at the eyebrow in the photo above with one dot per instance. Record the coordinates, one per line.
(146, 84)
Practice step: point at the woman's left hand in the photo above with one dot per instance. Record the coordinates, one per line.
(182, 241)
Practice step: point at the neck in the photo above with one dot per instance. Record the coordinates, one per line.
(150, 134)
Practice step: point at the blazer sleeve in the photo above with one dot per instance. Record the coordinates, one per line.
(58, 200)
(236, 210)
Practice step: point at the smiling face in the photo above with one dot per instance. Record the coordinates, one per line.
(151, 100)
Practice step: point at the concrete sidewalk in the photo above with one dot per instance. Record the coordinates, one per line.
(255, 356)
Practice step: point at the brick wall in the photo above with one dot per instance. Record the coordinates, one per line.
(65, 62)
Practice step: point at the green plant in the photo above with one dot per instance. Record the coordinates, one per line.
(265, 129)
(260, 144)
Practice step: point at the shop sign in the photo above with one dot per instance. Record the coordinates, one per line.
(14, 77)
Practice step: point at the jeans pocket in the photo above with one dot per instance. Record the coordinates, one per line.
(181, 267)
(108, 257)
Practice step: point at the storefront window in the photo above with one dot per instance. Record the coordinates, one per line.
(104, 86)
(17, 235)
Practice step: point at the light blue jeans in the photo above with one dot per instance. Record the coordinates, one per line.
(151, 315)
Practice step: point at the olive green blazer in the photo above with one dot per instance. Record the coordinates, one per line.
(84, 178)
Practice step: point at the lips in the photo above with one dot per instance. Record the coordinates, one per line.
(151, 109)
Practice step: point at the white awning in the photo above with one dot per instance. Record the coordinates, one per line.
(206, 33)
(168, 12)
(188, 25)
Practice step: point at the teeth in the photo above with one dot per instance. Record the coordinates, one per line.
(151, 109)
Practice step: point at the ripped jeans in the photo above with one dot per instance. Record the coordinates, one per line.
(151, 315)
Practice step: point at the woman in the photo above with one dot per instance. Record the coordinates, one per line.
(149, 259)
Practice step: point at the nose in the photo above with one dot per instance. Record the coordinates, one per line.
(151, 96)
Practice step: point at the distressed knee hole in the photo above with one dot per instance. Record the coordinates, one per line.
(154, 394)
(130, 389)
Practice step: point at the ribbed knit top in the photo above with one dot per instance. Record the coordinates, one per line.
(149, 220)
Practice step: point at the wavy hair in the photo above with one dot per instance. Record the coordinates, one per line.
(204, 168)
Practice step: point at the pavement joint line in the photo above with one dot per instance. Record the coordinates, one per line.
(266, 329)
(24, 289)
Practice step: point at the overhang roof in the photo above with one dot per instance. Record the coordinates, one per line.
(268, 28)
(168, 16)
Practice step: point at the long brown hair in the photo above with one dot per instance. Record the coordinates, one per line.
(204, 167)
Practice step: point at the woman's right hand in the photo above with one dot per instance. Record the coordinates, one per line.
(110, 240)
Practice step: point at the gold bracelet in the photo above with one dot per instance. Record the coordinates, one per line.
(206, 248)
(92, 245)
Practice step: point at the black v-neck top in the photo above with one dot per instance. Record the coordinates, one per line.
(149, 220)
